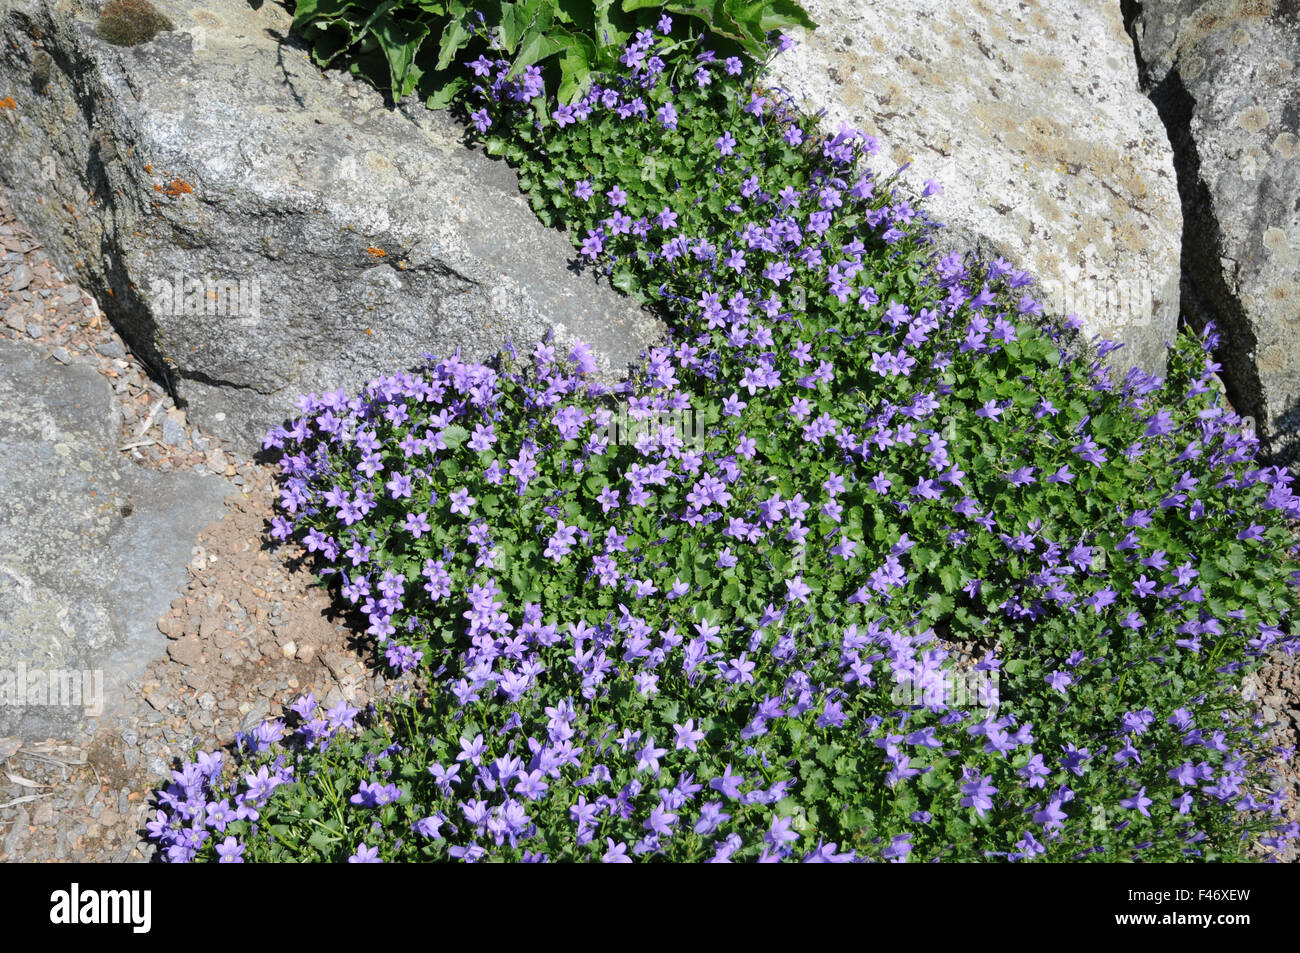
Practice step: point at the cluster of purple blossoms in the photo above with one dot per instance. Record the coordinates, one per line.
(630, 621)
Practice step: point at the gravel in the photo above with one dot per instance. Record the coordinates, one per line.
(95, 791)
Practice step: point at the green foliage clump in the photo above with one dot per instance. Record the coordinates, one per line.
(918, 581)
(403, 45)
(132, 22)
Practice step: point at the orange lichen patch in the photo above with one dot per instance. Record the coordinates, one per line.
(376, 252)
(368, 331)
(178, 188)
(157, 187)
(8, 103)
(148, 168)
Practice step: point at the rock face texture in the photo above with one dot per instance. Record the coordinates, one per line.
(1225, 76)
(1030, 116)
(256, 229)
(93, 548)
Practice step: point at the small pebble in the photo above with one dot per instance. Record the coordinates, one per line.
(112, 348)
(173, 434)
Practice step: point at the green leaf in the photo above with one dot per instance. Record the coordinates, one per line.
(536, 47)
(454, 435)
(401, 41)
(625, 280)
(445, 95)
(782, 14)
(516, 19)
(453, 40)
(575, 69)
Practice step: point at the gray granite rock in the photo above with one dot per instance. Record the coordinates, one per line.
(255, 232)
(93, 548)
(1029, 116)
(173, 434)
(1225, 76)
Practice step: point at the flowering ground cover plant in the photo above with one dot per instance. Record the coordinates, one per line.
(917, 581)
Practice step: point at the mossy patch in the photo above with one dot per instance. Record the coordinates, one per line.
(131, 22)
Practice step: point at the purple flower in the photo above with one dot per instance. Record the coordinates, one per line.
(593, 244)
(461, 501)
(1138, 802)
(616, 854)
(687, 736)
(979, 793)
(779, 834)
(1060, 681)
(796, 590)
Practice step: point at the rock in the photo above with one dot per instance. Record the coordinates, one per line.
(8, 748)
(20, 279)
(35, 332)
(173, 434)
(1224, 77)
(61, 355)
(258, 713)
(1030, 118)
(16, 322)
(112, 349)
(43, 816)
(264, 235)
(81, 586)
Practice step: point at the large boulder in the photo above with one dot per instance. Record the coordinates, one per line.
(1225, 76)
(1030, 117)
(257, 229)
(93, 547)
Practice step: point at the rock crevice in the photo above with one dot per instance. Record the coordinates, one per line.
(1223, 78)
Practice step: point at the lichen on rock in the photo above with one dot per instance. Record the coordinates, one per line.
(131, 22)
